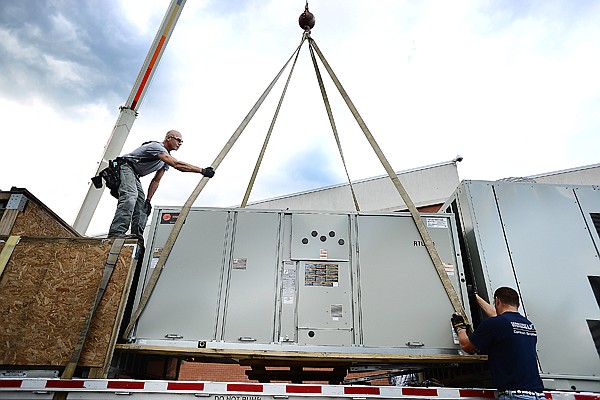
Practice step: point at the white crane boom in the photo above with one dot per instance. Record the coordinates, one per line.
(128, 112)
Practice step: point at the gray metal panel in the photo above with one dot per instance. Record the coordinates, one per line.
(486, 240)
(252, 288)
(587, 197)
(288, 278)
(402, 297)
(185, 299)
(320, 236)
(324, 285)
(324, 337)
(553, 254)
(461, 206)
(324, 301)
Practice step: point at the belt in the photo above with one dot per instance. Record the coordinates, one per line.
(526, 392)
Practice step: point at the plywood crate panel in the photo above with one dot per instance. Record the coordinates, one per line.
(46, 291)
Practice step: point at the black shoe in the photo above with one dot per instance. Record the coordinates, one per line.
(122, 236)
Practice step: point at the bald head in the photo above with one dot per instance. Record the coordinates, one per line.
(173, 132)
(173, 140)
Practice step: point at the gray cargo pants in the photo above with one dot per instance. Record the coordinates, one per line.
(130, 206)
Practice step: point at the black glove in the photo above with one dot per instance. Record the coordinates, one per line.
(209, 172)
(458, 322)
(147, 207)
(471, 291)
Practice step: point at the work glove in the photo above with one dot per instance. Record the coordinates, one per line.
(209, 172)
(147, 207)
(458, 322)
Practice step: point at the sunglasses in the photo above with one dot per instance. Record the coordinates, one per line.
(179, 140)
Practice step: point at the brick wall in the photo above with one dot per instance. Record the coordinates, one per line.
(214, 372)
(195, 371)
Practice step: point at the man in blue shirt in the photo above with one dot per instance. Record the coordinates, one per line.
(133, 206)
(509, 339)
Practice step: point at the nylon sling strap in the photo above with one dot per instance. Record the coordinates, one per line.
(185, 210)
(7, 251)
(435, 258)
(332, 122)
(267, 138)
(109, 267)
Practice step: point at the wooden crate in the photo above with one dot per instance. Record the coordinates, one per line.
(47, 289)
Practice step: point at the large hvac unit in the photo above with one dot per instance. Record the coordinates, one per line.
(542, 240)
(300, 281)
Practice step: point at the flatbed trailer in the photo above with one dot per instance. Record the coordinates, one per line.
(91, 389)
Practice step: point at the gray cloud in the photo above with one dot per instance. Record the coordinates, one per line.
(67, 52)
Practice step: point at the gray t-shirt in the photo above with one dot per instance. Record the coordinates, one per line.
(144, 152)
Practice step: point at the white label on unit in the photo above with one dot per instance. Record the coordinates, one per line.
(437, 223)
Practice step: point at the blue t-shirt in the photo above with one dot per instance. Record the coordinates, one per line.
(509, 340)
(139, 158)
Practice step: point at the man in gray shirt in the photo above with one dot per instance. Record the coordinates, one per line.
(133, 205)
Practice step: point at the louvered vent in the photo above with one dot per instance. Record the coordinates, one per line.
(594, 326)
(596, 220)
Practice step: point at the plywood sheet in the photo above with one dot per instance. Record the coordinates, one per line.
(37, 220)
(46, 292)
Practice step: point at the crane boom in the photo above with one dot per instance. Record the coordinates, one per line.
(128, 112)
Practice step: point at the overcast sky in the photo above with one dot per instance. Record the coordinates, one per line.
(510, 85)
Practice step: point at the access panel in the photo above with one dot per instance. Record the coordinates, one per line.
(251, 289)
(185, 299)
(403, 302)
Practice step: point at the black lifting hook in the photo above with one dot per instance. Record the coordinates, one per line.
(307, 19)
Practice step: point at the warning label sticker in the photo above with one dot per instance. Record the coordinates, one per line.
(289, 282)
(437, 223)
(240, 263)
(326, 275)
(156, 252)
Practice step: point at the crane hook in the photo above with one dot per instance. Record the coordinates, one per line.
(307, 19)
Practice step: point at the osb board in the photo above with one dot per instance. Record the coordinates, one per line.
(46, 292)
(36, 221)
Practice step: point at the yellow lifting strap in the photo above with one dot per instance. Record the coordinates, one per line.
(185, 210)
(435, 258)
(267, 138)
(7, 251)
(332, 122)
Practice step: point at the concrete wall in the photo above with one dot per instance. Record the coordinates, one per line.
(427, 185)
(587, 175)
